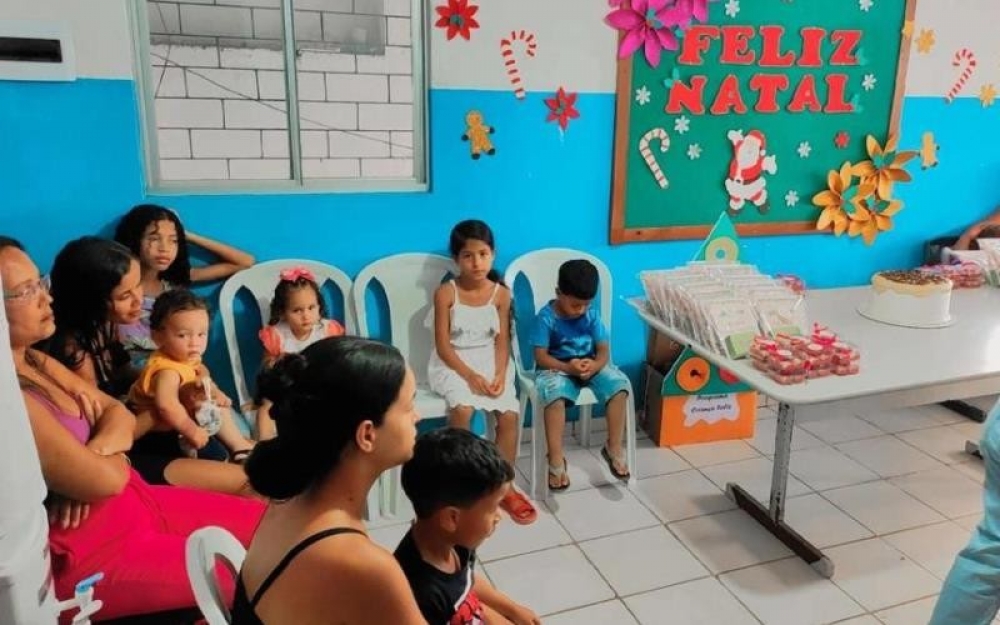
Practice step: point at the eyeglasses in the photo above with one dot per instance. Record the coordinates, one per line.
(28, 291)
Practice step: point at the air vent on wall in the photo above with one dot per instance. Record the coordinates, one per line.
(35, 50)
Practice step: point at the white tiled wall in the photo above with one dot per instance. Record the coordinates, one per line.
(219, 82)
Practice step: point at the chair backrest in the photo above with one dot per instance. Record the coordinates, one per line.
(541, 270)
(260, 280)
(205, 547)
(409, 282)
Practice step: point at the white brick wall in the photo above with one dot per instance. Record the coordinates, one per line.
(356, 111)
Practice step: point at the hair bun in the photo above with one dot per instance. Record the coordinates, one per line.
(276, 382)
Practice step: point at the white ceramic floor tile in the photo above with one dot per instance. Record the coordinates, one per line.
(550, 581)
(682, 496)
(973, 468)
(969, 429)
(511, 539)
(763, 438)
(821, 522)
(947, 415)
(933, 547)
(877, 576)
(728, 541)
(826, 412)
(823, 468)
(861, 620)
(841, 429)
(706, 454)
(600, 614)
(913, 613)
(882, 507)
(946, 490)
(969, 522)
(701, 602)
(585, 470)
(789, 592)
(754, 475)
(601, 511)
(651, 460)
(944, 443)
(389, 535)
(643, 560)
(905, 419)
(888, 456)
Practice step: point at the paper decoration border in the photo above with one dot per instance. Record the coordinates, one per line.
(623, 103)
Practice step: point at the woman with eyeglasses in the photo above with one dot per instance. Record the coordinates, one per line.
(95, 285)
(108, 518)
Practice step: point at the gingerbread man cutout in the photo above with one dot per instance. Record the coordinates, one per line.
(477, 133)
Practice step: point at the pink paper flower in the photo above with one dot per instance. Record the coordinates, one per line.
(650, 24)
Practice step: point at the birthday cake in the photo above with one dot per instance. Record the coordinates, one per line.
(909, 298)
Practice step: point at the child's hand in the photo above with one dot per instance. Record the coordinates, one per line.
(199, 439)
(479, 385)
(496, 387)
(520, 615)
(589, 368)
(576, 366)
(67, 513)
(221, 399)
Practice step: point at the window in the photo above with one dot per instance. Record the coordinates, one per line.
(216, 77)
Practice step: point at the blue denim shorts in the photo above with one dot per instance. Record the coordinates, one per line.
(553, 385)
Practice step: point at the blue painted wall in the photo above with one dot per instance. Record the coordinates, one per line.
(71, 163)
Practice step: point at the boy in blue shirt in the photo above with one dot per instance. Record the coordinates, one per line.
(572, 352)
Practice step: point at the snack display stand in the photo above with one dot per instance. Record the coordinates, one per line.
(900, 367)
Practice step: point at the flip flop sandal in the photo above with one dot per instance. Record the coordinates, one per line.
(559, 473)
(518, 508)
(611, 460)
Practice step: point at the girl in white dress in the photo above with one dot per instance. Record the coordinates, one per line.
(471, 365)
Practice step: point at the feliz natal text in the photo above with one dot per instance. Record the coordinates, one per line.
(736, 51)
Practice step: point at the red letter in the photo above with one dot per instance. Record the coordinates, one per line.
(729, 97)
(770, 54)
(836, 86)
(689, 97)
(696, 41)
(846, 41)
(768, 86)
(805, 96)
(812, 39)
(735, 45)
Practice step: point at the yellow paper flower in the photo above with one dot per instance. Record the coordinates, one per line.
(884, 167)
(842, 203)
(874, 218)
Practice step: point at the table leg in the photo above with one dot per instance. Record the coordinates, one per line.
(965, 409)
(772, 517)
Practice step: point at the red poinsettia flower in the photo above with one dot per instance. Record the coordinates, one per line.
(457, 17)
(841, 139)
(561, 108)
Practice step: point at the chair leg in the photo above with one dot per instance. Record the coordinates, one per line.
(630, 444)
(539, 460)
(584, 421)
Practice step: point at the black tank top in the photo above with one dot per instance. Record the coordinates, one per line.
(244, 608)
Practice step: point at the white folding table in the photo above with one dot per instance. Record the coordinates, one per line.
(900, 367)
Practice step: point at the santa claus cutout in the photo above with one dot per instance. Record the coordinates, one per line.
(746, 182)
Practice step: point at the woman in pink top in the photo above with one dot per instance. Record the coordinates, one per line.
(104, 517)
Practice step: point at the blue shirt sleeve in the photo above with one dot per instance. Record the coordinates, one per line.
(597, 329)
(541, 332)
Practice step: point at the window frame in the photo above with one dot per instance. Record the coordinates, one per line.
(296, 184)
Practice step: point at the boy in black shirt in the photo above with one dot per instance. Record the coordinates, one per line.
(455, 481)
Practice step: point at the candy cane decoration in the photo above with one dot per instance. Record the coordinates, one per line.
(647, 154)
(507, 52)
(969, 58)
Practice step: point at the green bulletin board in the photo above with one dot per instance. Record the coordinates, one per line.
(792, 86)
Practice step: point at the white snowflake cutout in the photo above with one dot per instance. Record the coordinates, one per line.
(804, 149)
(732, 8)
(682, 124)
(694, 151)
(642, 95)
(869, 82)
(791, 198)
(865, 5)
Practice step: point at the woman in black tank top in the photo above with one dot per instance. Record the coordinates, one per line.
(344, 413)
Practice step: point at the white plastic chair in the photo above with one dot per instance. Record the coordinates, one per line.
(409, 282)
(260, 280)
(203, 549)
(541, 270)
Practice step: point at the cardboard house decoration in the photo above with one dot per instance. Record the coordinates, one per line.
(697, 402)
